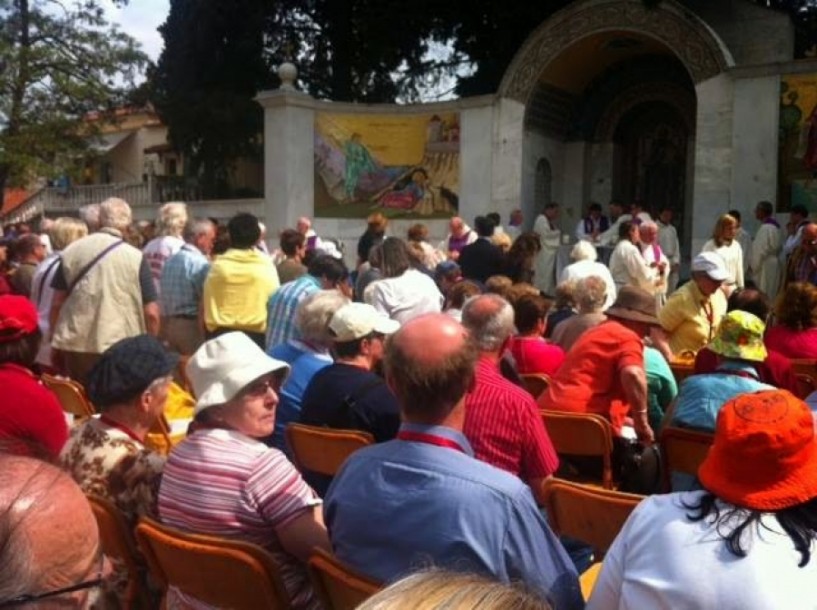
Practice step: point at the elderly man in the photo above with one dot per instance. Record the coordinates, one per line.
(239, 284)
(170, 224)
(654, 257)
(107, 456)
(693, 312)
(764, 257)
(802, 264)
(423, 498)
(182, 286)
(103, 292)
(313, 242)
(348, 394)
(45, 554)
(324, 273)
(628, 265)
(604, 371)
(547, 228)
(502, 422)
(459, 236)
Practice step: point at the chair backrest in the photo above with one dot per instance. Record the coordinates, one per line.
(222, 573)
(683, 451)
(339, 587)
(590, 514)
(682, 370)
(585, 434)
(535, 383)
(158, 437)
(71, 395)
(323, 450)
(116, 538)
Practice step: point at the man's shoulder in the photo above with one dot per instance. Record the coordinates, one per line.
(492, 386)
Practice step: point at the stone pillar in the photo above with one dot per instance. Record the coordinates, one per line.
(508, 140)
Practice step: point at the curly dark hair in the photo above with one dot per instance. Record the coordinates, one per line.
(797, 306)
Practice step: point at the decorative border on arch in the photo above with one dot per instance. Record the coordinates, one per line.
(677, 96)
(683, 32)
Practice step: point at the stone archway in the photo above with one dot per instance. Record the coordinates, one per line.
(694, 43)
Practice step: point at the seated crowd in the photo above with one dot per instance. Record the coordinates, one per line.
(198, 350)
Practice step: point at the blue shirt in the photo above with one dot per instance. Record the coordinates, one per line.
(281, 309)
(404, 505)
(702, 396)
(304, 363)
(182, 282)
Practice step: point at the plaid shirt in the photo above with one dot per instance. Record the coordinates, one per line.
(182, 282)
(281, 309)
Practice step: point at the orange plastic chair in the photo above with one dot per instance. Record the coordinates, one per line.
(323, 450)
(683, 451)
(590, 514)
(535, 383)
(339, 587)
(583, 434)
(116, 538)
(222, 573)
(71, 395)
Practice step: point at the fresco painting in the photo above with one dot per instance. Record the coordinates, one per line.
(403, 165)
(797, 158)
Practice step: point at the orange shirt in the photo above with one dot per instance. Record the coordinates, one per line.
(588, 381)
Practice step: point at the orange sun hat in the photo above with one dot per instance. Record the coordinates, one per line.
(764, 456)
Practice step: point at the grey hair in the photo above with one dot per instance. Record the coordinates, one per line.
(489, 319)
(65, 230)
(314, 312)
(584, 251)
(590, 294)
(171, 219)
(200, 226)
(115, 213)
(647, 225)
(89, 214)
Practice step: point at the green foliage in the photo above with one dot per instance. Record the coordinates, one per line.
(58, 62)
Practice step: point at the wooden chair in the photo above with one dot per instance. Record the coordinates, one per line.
(71, 395)
(682, 451)
(339, 587)
(116, 538)
(323, 450)
(805, 371)
(158, 437)
(590, 514)
(682, 369)
(582, 434)
(220, 572)
(535, 383)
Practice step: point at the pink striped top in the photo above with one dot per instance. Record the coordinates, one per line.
(222, 483)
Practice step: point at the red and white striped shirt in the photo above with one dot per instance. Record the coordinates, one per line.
(222, 483)
(505, 428)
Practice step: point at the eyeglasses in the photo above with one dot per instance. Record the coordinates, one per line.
(260, 388)
(28, 598)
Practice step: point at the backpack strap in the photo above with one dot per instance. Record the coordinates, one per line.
(84, 271)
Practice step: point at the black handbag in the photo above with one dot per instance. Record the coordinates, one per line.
(638, 467)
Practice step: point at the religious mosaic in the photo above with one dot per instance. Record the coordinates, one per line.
(797, 157)
(404, 165)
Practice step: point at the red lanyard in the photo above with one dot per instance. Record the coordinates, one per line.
(429, 439)
(115, 424)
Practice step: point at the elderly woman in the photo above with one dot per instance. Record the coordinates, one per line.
(170, 224)
(795, 334)
(403, 293)
(591, 296)
(724, 244)
(223, 481)
(529, 349)
(585, 263)
(107, 456)
(29, 413)
(63, 231)
(306, 355)
(743, 541)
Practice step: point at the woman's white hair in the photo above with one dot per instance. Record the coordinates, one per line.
(584, 251)
(314, 312)
(115, 213)
(171, 219)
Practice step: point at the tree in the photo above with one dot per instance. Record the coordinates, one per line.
(58, 62)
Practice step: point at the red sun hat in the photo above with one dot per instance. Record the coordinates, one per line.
(18, 317)
(764, 456)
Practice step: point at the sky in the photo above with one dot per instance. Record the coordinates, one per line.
(140, 18)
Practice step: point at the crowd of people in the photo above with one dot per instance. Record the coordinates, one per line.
(426, 347)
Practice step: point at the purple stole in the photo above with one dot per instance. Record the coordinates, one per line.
(604, 224)
(456, 244)
(771, 221)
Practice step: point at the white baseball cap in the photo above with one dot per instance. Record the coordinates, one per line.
(225, 365)
(711, 264)
(357, 320)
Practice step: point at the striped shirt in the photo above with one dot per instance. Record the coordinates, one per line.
(505, 428)
(182, 282)
(281, 309)
(158, 251)
(222, 483)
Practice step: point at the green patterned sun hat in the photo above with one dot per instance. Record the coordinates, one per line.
(740, 335)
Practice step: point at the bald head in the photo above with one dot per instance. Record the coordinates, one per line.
(303, 225)
(430, 365)
(456, 226)
(48, 535)
(489, 320)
